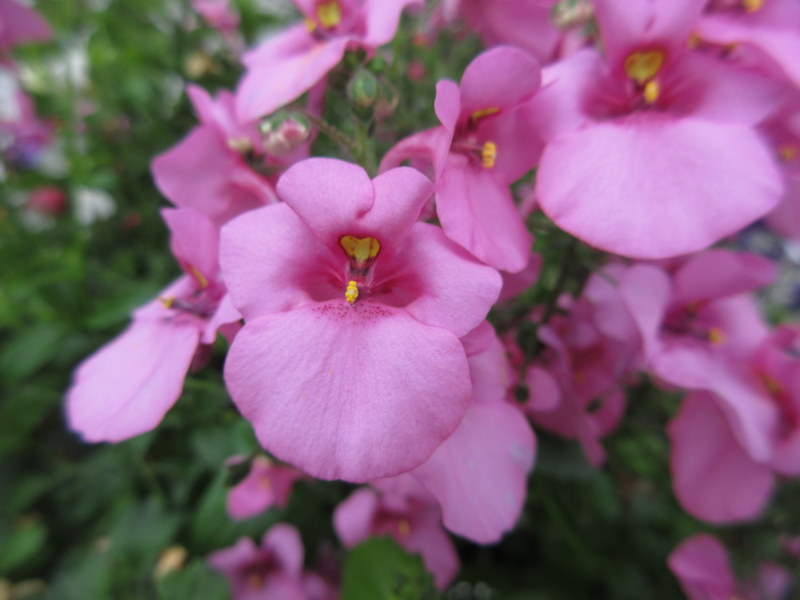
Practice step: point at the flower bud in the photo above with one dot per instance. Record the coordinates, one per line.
(284, 132)
(363, 91)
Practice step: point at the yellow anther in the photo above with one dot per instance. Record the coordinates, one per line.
(652, 90)
(716, 336)
(753, 5)
(643, 66)
(310, 24)
(693, 41)
(199, 277)
(788, 152)
(351, 293)
(255, 581)
(484, 112)
(329, 14)
(361, 249)
(773, 387)
(403, 528)
(488, 155)
(240, 144)
(167, 302)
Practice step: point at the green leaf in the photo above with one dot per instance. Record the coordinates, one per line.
(379, 569)
(23, 544)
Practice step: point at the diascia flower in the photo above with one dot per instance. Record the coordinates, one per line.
(349, 364)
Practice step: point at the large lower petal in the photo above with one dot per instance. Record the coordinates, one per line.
(479, 474)
(127, 386)
(477, 211)
(354, 392)
(714, 479)
(701, 565)
(654, 186)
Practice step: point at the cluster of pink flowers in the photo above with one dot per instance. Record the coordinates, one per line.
(359, 345)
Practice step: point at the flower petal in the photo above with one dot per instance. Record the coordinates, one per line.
(354, 392)
(614, 184)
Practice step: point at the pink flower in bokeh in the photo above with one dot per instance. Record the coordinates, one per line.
(484, 144)
(293, 61)
(128, 385)
(20, 24)
(273, 570)
(651, 148)
(701, 565)
(267, 484)
(349, 364)
(402, 509)
(208, 169)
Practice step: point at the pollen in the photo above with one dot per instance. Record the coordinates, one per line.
(199, 277)
(361, 249)
(788, 152)
(484, 112)
(716, 336)
(643, 66)
(652, 90)
(329, 14)
(403, 528)
(351, 293)
(242, 145)
(310, 24)
(753, 5)
(167, 302)
(488, 155)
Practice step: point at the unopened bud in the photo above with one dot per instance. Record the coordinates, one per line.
(284, 132)
(363, 91)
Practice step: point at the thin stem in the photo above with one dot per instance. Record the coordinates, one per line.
(349, 145)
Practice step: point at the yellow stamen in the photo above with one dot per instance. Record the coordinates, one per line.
(643, 66)
(351, 293)
(310, 24)
(255, 581)
(693, 41)
(488, 155)
(484, 112)
(773, 387)
(240, 145)
(403, 528)
(199, 277)
(652, 90)
(361, 249)
(788, 152)
(716, 336)
(329, 14)
(167, 302)
(752, 5)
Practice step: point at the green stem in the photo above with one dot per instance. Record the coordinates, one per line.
(365, 150)
(340, 138)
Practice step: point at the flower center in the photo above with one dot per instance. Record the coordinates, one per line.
(329, 15)
(361, 253)
(643, 67)
(752, 5)
(488, 154)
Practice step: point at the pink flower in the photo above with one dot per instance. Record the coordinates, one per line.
(701, 565)
(20, 24)
(479, 474)
(266, 485)
(218, 14)
(483, 145)
(349, 364)
(651, 150)
(290, 63)
(127, 386)
(272, 570)
(770, 26)
(522, 23)
(208, 170)
(403, 510)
